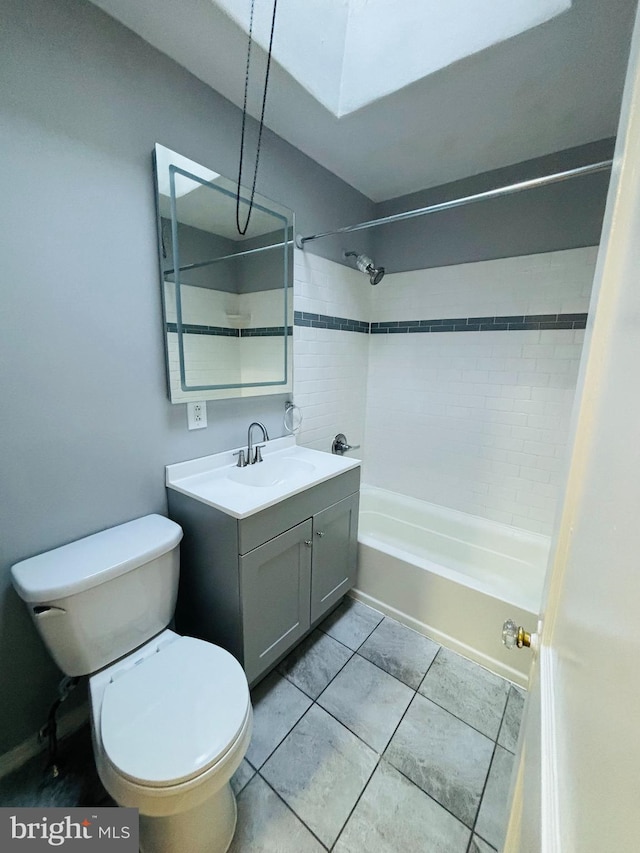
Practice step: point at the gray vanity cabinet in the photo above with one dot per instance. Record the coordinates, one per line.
(275, 581)
(257, 585)
(335, 545)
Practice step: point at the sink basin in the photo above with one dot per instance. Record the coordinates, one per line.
(287, 470)
(271, 472)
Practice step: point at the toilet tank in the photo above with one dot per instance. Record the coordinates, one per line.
(96, 599)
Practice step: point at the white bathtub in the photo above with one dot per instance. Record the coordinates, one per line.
(451, 576)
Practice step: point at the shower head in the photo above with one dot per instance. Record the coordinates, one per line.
(365, 265)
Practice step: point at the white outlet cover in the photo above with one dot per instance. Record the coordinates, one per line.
(196, 415)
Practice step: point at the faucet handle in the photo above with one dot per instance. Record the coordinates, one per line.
(242, 462)
(258, 454)
(341, 446)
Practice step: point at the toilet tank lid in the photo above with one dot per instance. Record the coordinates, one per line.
(95, 559)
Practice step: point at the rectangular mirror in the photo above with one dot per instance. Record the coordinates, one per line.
(228, 299)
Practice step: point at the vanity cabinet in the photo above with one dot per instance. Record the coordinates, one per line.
(334, 554)
(258, 585)
(275, 583)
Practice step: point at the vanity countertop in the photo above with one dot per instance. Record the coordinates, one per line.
(287, 470)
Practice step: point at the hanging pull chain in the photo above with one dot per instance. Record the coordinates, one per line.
(243, 229)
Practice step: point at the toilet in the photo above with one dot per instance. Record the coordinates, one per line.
(171, 716)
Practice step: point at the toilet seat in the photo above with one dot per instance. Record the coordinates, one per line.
(170, 716)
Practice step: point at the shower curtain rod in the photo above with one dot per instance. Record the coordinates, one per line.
(230, 257)
(468, 199)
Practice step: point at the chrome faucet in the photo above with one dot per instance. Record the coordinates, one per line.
(255, 456)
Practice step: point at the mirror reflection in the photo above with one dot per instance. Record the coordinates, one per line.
(228, 299)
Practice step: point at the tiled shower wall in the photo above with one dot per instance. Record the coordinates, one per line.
(330, 364)
(474, 417)
(478, 420)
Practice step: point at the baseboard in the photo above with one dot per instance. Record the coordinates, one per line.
(32, 746)
(443, 639)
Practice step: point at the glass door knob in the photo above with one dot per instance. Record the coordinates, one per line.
(514, 635)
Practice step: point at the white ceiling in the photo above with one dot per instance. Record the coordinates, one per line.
(481, 97)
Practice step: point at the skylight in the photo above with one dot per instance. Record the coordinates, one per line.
(350, 53)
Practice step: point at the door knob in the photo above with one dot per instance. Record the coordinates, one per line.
(515, 635)
(308, 543)
(320, 533)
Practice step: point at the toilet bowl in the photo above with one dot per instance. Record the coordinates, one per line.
(171, 718)
(192, 698)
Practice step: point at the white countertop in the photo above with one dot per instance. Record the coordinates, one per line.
(289, 470)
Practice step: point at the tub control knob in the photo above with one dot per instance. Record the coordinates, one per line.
(515, 635)
(340, 444)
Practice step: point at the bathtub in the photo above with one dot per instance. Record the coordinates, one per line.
(451, 576)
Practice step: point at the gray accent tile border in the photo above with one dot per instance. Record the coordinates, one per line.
(265, 332)
(512, 323)
(225, 331)
(483, 324)
(389, 327)
(324, 321)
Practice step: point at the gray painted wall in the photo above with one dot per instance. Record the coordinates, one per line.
(566, 215)
(86, 424)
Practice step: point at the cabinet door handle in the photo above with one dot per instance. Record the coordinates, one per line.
(308, 543)
(320, 533)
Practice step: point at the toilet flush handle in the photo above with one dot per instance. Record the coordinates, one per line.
(45, 611)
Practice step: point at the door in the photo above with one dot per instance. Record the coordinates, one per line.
(578, 777)
(274, 581)
(335, 549)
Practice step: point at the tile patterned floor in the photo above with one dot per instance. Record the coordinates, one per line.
(368, 738)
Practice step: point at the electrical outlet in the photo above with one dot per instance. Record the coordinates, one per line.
(197, 415)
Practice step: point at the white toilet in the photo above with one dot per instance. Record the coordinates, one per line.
(171, 716)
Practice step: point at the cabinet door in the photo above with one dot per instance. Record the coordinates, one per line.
(275, 580)
(335, 548)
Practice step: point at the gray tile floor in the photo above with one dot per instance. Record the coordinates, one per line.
(368, 738)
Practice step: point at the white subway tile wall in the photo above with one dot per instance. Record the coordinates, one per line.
(476, 421)
(324, 287)
(472, 421)
(550, 283)
(330, 370)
